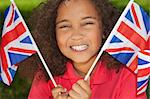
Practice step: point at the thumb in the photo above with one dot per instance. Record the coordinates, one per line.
(88, 80)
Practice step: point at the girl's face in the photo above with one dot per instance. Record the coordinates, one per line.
(78, 30)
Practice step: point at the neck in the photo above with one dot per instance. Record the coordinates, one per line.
(83, 68)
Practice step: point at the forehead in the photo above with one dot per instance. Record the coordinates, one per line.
(72, 3)
(76, 7)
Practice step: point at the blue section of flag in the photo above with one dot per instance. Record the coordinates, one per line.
(16, 58)
(128, 16)
(0, 78)
(115, 39)
(16, 16)
(142, 62)
(146, 19)
(0, 74)
(13, 72)
(6, 12)
(141, 82)
(0, 69)
(26, 40)
(123, 57)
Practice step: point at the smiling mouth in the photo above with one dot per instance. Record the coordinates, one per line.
(79, 48)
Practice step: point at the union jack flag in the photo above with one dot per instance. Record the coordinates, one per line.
(129, 42)
(16, 44)
(143, 70)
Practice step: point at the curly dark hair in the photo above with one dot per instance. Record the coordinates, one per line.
(43, 30)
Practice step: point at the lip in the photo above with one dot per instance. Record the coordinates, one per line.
(79, 47)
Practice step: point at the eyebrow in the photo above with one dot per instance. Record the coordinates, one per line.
(89, 17)
(64, 20)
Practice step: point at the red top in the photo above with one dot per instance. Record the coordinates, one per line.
(105, 84)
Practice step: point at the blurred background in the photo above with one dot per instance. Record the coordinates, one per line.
(20, 87)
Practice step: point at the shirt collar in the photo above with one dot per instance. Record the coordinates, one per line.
(99, 76)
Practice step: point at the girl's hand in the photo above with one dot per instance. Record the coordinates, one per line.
(59, 93)
(80, 90)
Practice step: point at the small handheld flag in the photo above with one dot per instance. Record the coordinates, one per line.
(128, 42)
(17, 44)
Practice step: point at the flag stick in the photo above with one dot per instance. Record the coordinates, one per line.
(34, 44)
(107, 41)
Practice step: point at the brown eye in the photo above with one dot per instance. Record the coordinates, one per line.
(88, 23)
(64, 26)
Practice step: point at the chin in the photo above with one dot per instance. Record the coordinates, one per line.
(81, 60)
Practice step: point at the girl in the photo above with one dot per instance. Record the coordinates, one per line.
(74, 30)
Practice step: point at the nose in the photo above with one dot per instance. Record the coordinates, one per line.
(77, 34)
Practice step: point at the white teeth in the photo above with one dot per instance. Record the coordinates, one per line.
(79, 47)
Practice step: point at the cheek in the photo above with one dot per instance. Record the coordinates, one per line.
(95, 38)
(96, 42)
(61, 40)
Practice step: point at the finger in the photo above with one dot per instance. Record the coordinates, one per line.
(85, 85)
(74, 95)
(88, 81)
(62, 96)
(57, 90)
(69, 97)
(78, 89)
(81, 92)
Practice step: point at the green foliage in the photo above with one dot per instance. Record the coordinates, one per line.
(120, 4)
(18, 90)
(25, 5)
(148, 90)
